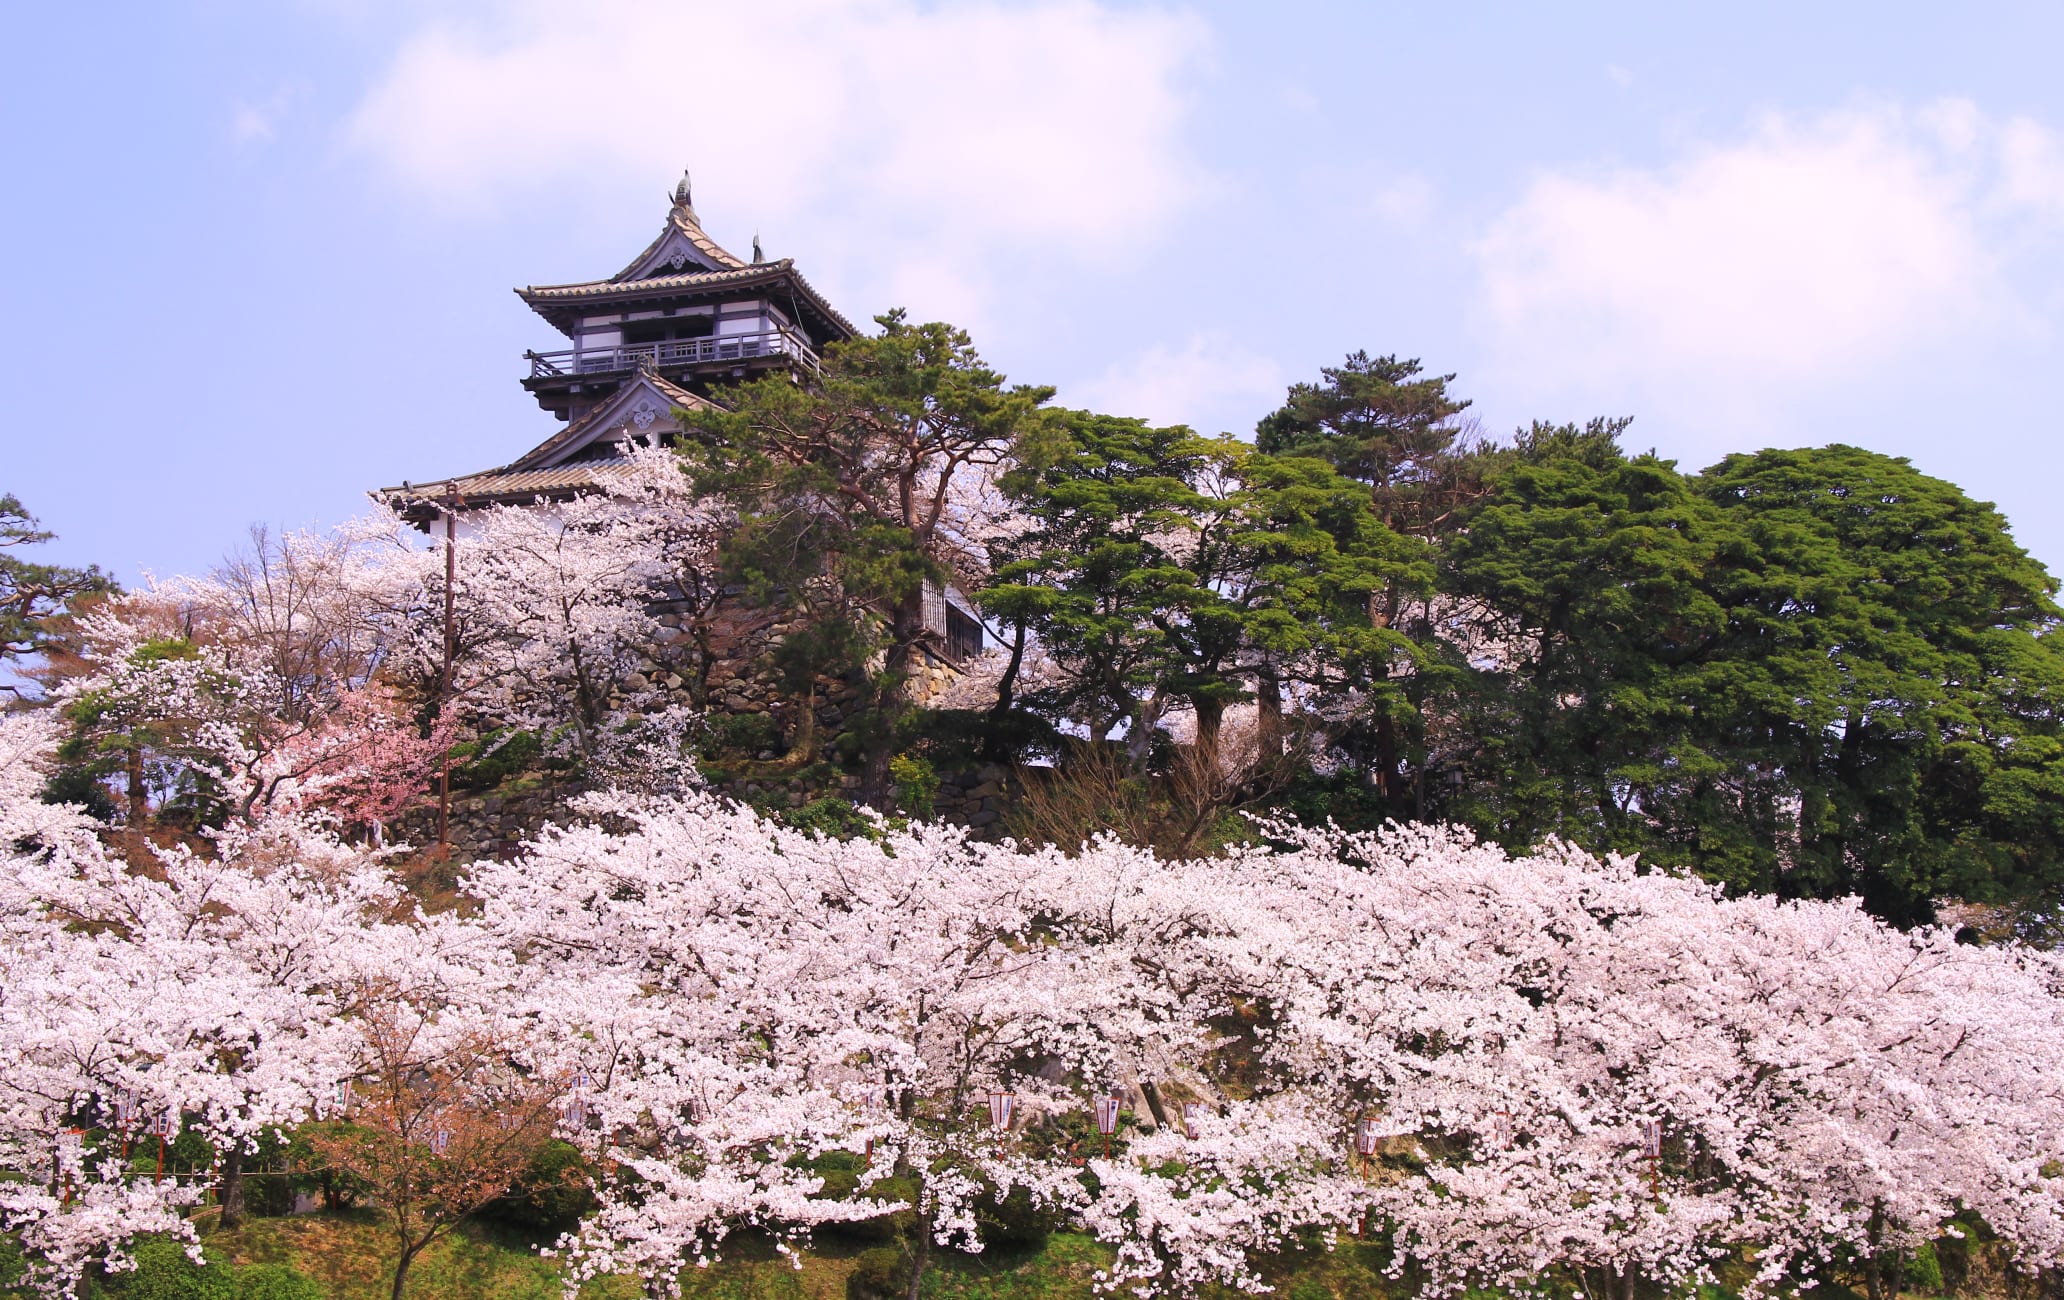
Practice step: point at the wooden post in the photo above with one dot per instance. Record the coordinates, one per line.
(444, 685)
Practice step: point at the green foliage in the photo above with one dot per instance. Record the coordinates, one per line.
(1924, 1270)
(1162, 566)
(847, 1177)
(1914, 703)
(276, 1282)
(163, 1272)
(1589, 574)
(13, 1266)
(1014, 1223)
(830, 816)
(916, 784)
(1816, 672)
(551, 1195)
(33, 594)
(1379, 422)
(841, 518)
(740, 734)
(882, 1273)
(494, 758)
(77, 784)
(1812, 672)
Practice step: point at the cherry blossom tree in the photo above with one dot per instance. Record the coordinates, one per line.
(554, 605)
(195, 992)
(439, 1107)
(1580, 1073)
(1597, 1071)
(263, 682)
(755, 997)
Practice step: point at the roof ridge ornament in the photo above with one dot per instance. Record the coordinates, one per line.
(684, 193)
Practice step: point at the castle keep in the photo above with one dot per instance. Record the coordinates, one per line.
(683, 316)
(681, 321)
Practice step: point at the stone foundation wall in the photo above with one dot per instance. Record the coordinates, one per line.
(492, 823)
(728, 672)
(495, 823)
(979, 798)
(734, 663)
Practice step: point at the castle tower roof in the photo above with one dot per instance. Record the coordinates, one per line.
(684, 265)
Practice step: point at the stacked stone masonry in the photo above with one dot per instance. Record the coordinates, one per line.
(726, 670)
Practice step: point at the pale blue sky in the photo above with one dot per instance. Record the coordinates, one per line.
(262, 252)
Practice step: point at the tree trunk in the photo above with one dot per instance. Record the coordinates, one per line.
(1387, 758)
(1874, 1232)
(804, 745)
(904, 630)
(1139, 736)
(139, 806)
(1210, 719)
(232, 1189)
(920, 1254)
(401, 1268)
(1268, 697)
(1007, 685)
(1153, 1096)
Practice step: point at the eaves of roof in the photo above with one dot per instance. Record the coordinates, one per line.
(545, 296)
(498, 486)
(683, 280)
(682, 220)
(574, 433)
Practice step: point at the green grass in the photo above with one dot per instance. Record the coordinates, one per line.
(351, 1256)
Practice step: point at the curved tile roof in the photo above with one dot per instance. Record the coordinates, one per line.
(681, 280)
(682, 221)
(604, 414)
(418, 502)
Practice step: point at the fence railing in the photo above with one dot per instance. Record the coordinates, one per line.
(711, 349)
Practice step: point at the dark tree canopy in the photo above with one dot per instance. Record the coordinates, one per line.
(1386, 423)
(848, 497)
(32, 593)
(1809, 672)
(1812, 673)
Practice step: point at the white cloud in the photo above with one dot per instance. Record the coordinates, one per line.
(1299, 98)
(1405, 201)
(1211, 383)
(1809, 252)
(250, 125)
(259, 123)
(2032, 167)
(962, 129)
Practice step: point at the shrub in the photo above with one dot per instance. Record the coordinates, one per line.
(1924, 1270)
(878, 1274)
(276, 1282)
(1016, 1222)
(740, 733)
(494, 758)
(550, 1197)
(897, 1219)
(916, 784)
(163, 1272)
(831, 817)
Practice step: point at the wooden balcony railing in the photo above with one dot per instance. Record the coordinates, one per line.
(711, 350)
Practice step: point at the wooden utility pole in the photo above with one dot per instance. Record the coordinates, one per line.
(451, 502)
